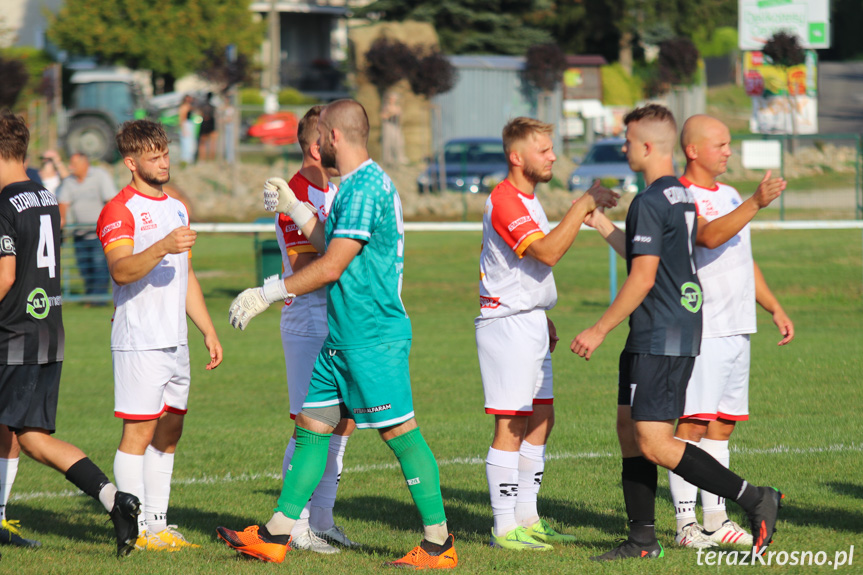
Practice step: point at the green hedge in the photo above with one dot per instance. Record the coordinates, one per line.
(620, 88)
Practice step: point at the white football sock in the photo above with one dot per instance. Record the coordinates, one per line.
(158, 470)
(129, 477)
(8, 471)
(324, 497)
(531, 465)
(714, 506)
(107, 496)
(683, 496)
(501, 471)
(280, 524)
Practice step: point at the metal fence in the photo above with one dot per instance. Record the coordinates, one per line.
(84, 270)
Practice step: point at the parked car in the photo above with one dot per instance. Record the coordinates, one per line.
(472, 165)
(279, 129)
(605, 160)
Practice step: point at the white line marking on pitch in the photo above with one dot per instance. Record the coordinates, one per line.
(231, 478)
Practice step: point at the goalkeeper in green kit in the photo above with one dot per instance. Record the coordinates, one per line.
(362, 370)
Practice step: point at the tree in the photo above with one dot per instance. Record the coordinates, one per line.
(15, 78)
(785, 51)
(170, 37)
(678, 61)
(433, 74)
(387, 62)
(543, 69)
(469, 26)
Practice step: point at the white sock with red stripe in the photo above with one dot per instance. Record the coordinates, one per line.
(713, 505)
(684, 496)
(531, 465)
(501, 471)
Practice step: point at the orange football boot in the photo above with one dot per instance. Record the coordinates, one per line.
(423, 556)
(257, 542)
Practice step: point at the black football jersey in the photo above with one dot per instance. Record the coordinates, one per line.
(31, 322)
(662, 222)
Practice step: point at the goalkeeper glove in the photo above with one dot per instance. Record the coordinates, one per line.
(253, 301)
(278, 197)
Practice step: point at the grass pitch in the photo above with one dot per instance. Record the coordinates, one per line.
(804, 436)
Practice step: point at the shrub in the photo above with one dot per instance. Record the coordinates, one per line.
(620, 88)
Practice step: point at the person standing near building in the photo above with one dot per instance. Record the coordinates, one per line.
(32, 339)
(362, 371)
(717, 396)
(515, 337)
(662, 298)
(82, 196)
(147, 242)
(304, 330)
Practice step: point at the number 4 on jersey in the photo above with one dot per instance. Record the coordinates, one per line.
(45, 252)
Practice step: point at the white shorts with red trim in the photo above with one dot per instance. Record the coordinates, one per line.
(301, 351)
(515, 363)
(719, 386)
(148, 383)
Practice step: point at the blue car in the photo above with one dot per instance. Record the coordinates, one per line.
(605, 161)
(472, 166)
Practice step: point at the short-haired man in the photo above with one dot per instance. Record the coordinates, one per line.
(515, 337)
(362, 371)
(718, 392)
(32, 339)
(147, 241)
(82, 195)
(304, 330)
(662, 298)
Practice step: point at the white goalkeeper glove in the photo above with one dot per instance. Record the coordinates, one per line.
(253, 301)
(278, 197)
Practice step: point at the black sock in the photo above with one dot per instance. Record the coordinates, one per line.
(700, 469)
(639, 494)
(87, 477)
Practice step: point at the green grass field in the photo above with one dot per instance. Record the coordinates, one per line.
(804, 436)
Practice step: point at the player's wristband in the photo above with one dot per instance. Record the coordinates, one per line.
(274, 290)
(301, 213)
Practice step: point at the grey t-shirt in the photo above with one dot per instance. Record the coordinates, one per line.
(86, 199)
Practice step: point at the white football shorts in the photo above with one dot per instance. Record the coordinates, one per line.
(515, 363)
(719, 386)
(150, 382)
(301, 351)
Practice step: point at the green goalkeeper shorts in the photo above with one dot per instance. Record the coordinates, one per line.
(373, 382)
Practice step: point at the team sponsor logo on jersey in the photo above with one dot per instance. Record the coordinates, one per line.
(518, 222)
(690, 297)
(27, 200)
(489, 302)
(678, 195)
(147, 221)
(375, 409)
(707, 209)
(291, 227)
(109, 227)
(7, 246)
(639, 239)
(182, 216)
(38, 304)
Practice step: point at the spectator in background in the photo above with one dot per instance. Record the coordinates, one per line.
(392, 140)
(53, 170)
(207, 135)
(187, 130)
(82, 196)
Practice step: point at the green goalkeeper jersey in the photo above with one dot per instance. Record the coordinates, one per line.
(364, 307)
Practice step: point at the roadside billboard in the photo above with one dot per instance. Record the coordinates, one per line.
(758, 20)
(780, 96)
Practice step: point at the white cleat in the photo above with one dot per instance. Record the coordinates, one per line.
(693, 536)
(336, 534)
(730, 533)
(308, 541)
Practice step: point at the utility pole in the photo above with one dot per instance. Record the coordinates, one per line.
(275, 55)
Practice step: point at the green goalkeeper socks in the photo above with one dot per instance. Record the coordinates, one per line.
(304, 472)
(421, 473)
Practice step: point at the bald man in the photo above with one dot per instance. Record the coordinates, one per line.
(362, 370)
(717, 396)
(662, 298)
